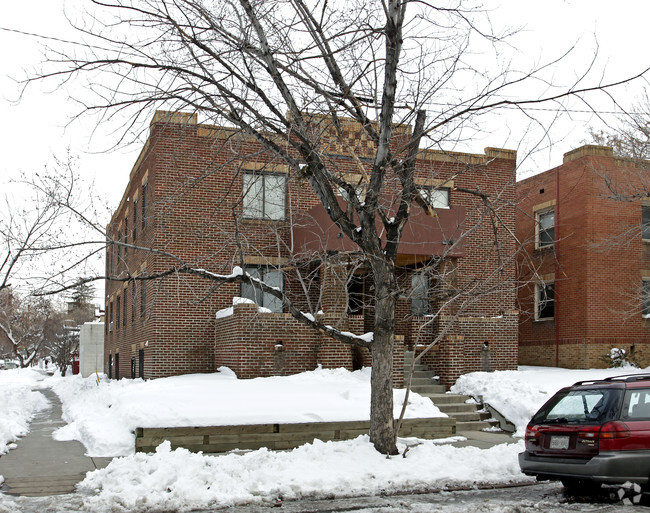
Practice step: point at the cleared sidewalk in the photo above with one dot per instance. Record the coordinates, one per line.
(42, 466)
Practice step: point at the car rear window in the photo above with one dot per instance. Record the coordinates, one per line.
(637, 404)
(588, 406)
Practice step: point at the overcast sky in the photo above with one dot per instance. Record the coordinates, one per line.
(39, 126)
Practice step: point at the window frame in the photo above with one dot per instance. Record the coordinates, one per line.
(539, 214)
(645, 224)
(259, 295)
(645, 297)
(420, 304)
(252, 212)
(539, 287)
(427, 193)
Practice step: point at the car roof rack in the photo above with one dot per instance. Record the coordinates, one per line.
(623, 377)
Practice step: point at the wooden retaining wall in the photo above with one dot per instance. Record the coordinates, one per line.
(214, 439)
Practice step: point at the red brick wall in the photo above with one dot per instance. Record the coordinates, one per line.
(600, 257)
(194, 182)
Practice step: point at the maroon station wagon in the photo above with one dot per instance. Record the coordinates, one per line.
(591, 433)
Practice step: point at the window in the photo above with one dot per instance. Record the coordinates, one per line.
(133, 300)
(144, 205)
(143, 298)
(133, 367)
(645, 298)
(419, 294)
(135, 220)
(273, 278)
(124, 311)
(126, 233)
(264, 196)
(437, 197)
(110, 366)
(544, 301)
(545, 228)
(645, 220)
(117, 312)
(141, 363)
(356, 294)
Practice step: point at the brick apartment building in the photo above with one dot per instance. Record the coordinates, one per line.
(586, 268)
(216, 199)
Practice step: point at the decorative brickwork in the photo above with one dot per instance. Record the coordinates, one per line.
(184, 200)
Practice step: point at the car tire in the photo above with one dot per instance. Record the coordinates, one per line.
(575, 486)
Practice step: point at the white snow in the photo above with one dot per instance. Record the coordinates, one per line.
(180, 481)
(517, 395)
(18, 404)
(104, 417)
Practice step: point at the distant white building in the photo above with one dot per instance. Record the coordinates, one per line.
(91, 348)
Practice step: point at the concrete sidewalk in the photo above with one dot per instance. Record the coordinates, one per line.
(42, 466)
(484, 439)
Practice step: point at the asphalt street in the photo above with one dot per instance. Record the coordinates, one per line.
(537, 498)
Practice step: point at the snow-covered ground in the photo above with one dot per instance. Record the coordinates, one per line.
(18, 404)
(517, 395)
(102, 416)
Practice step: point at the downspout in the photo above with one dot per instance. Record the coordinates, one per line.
(556, 246)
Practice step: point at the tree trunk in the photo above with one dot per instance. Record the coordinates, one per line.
(382, 429)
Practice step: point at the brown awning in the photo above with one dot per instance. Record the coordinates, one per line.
(423, 236)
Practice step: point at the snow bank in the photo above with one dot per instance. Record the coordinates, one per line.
(104, 417)
(180, 481)
(517, 395)
(18, 404)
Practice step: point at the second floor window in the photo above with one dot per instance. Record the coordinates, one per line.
(437, 197)
(545, 229)
(264, 196)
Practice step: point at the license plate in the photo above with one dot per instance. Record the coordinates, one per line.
(559, 442)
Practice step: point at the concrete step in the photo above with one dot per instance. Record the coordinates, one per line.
(470, 416)
(430, 389)
(458, 407)
(473, 425)
(417, 380)
(421, 374)
(445, 398)
(417, 368)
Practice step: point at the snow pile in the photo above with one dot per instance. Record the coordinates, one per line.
(180, 481)
(104, 417)
(517, 395)
(19, 404)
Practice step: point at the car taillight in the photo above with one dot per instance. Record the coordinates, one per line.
(532, 434)
(589, 433)
(612, 430)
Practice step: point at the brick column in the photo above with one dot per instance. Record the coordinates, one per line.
(451, 363)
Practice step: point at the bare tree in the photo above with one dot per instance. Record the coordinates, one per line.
(631, 138)
(27, 323)
(275, 70)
